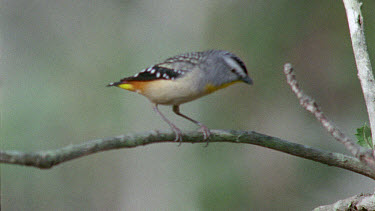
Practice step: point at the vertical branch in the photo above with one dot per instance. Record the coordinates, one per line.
(362, 59)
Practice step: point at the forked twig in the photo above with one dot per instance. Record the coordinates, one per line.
(310, 105)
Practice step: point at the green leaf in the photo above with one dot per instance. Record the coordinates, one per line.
(364, 137)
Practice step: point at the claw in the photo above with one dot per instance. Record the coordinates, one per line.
(206, 134)
(178, 134)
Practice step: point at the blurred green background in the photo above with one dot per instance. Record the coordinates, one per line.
(57, 57)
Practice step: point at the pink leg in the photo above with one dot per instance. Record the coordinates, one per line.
(205, 130)
(174, 128)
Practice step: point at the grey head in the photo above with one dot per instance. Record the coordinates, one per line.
(224, 67)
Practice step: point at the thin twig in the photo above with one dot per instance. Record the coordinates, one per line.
(50, 158)
(310, 105)
(362, 59)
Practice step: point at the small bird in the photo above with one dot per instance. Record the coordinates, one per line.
(184, 78)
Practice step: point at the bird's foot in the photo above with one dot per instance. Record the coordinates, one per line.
(178, 134)
(206, 134)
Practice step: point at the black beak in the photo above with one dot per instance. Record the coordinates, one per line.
(247, 80)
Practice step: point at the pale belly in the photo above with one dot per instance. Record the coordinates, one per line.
(171, 92)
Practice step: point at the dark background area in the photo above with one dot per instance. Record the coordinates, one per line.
(57, 57)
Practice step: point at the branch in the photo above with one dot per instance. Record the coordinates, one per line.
(50, 158)
(362, 59)
(310, 105)
(358, 202)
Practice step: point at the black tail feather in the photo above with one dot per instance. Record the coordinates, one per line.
(114, 84)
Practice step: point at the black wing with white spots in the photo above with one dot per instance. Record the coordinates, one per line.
(156, 72)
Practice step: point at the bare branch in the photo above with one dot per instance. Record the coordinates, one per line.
(362, 59)
(358, 202)
(50, 158)
(310, 105)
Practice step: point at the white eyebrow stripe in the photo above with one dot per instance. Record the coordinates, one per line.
(231, 62)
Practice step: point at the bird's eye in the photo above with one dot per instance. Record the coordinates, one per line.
(233, 70)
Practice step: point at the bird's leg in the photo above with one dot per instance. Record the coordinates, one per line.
(175, 129)
(205, 130)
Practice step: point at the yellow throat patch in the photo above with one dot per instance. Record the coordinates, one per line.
(211, 88)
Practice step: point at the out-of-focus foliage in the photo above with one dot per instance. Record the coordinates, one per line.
(57, 57)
